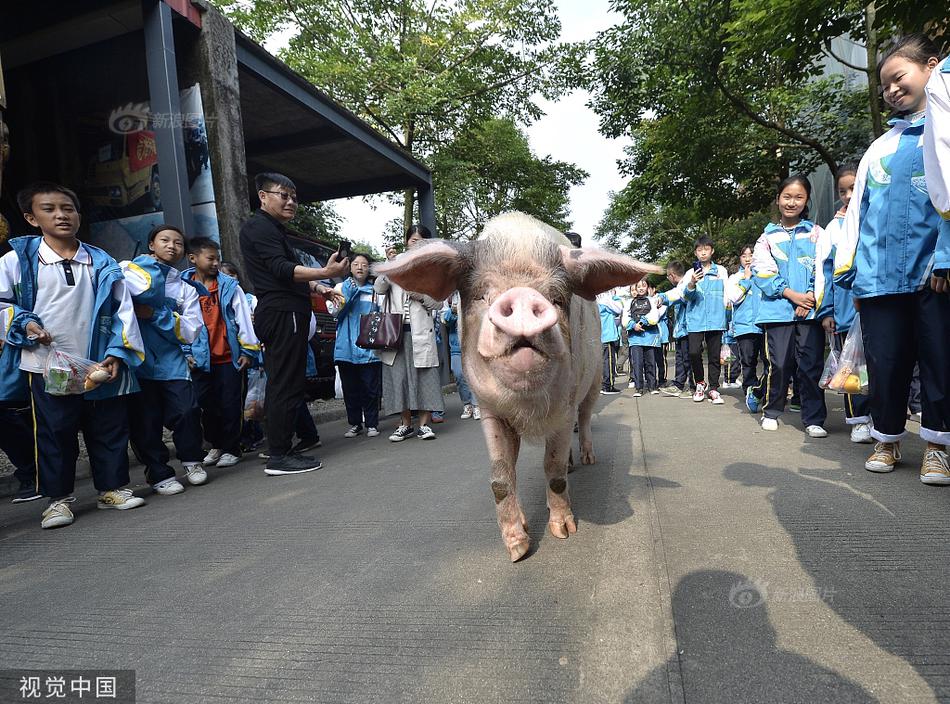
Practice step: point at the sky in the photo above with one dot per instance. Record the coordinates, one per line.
(567, 132)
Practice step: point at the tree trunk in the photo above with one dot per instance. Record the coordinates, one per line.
(409, 195)
(874, 85)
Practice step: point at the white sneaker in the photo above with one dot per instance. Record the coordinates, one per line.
(769, 424)
(632, 385)
(425, 433)
(353, 431)
(655, 392)
(637, 393)
(196, 474)
(58, 513)
(212, 458)
(816, 431)
(476, 413)
(716, 398)
(372, 432)
(120, 499)
(466, 411)
(861, 433)
(401, 433)
(228, 460)
(168, 487)
(700, 394)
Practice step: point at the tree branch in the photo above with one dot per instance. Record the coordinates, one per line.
(827, 50)
(383, 124)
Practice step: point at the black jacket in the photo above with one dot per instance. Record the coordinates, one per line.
(269, 263)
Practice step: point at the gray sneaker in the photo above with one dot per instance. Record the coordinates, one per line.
(291, 464)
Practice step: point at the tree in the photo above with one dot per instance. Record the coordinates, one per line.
(490, 169)
(421, 71)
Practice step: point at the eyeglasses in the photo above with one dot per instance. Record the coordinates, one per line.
(284, 195)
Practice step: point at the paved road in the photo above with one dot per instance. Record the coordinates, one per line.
(713, 563)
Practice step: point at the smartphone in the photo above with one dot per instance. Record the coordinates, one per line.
(697, 266)
(344, 252)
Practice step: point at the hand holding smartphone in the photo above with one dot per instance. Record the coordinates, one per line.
(344, 251)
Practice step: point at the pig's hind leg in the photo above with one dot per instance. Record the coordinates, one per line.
(556, 449)
(503, 447)
(584, 412)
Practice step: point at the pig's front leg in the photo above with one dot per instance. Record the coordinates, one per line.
(503, 446)
(556, 449)
(584, 412)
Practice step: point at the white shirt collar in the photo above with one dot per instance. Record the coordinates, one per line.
(48, 256)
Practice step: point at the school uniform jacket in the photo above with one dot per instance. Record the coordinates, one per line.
(236, 313)
(783, 259)
(651, 335)
(705, 305)
(115, 331)
(609, 308)
(175, 321)
(840, 303)
(937, 156)
(14, 388)
(890, 231)
(744, 297)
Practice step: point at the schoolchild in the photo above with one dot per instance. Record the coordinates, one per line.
(225, 348)
(644, 336)
(169, 316)
(793, 288)
(888, 257)
(70, 296)
(682, 384)
(744, 296)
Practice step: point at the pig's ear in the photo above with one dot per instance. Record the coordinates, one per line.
(594, 271)
(433, 268)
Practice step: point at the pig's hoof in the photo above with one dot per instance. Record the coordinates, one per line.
(519, 549)
(587, 455)
(563, 526)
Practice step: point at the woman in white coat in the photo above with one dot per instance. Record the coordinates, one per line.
(411, 380)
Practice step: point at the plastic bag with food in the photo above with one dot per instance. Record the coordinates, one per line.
(831, 367)
(254, 403)
(852, 374)
(66, 374)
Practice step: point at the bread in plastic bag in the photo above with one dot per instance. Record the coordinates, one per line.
(851, 376)
(67, 374)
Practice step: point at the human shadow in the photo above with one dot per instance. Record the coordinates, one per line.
(880, 543)
(727, 651)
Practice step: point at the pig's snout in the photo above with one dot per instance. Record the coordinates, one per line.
(522, 312)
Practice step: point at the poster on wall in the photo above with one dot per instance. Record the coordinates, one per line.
(123, 189)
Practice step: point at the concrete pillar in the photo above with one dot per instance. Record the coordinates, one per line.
(216, 68)
(165, 106)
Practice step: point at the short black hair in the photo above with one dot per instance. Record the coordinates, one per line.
(24, 198)
(417, 229)
(196, 244)
(573, 238)
(704, 241)
(676, 267)
(232, 267)
(748, 245)
(272, 178)
(161, 227)
(369, 259)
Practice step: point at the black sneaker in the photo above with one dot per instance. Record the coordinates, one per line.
(26, 493)
(610, 391)
(291, 464)
(304, 445)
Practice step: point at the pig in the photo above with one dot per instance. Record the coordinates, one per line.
(531, 349)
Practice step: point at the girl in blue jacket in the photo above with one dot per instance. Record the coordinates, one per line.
(744, 296)
(783, 265)
(887, 257)
(360, 370)
(644, 335)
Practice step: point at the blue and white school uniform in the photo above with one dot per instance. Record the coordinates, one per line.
(786, 258)
(168, 396)
(16, 412)
(937, 158)
(744, 297)
(886, 257)
(361, 371)
(705, 320)
(645, 344)
(608, 306)
(85, 306)
(677, 308)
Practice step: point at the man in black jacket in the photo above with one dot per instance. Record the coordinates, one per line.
(282, 317)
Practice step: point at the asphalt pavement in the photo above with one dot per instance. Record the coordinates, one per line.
(713, 562)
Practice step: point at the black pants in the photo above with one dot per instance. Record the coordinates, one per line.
(610, 364)
(16, 441)
(857, 408)
(221, 399)
(105, 430)
(165, 404)
(304, 427)
(899, 331)
(787, 345)
(713, 342)
(362, 387)
(284, 334)
(643, 367)
(659, 356)
(750, 352)
(684, 374)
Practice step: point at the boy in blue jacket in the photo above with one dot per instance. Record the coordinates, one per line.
(169, 316)
(225, 347)
(682, 384)
(72, 295)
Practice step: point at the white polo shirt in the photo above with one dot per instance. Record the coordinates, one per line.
(65, 299)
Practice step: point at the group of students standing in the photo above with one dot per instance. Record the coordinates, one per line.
(884, 259)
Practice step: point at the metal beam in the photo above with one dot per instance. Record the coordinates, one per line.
(258, 62)
(361, 188)
(427, 207)
(165, 107)
(284, 143)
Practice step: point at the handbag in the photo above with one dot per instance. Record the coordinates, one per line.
(380, 330)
